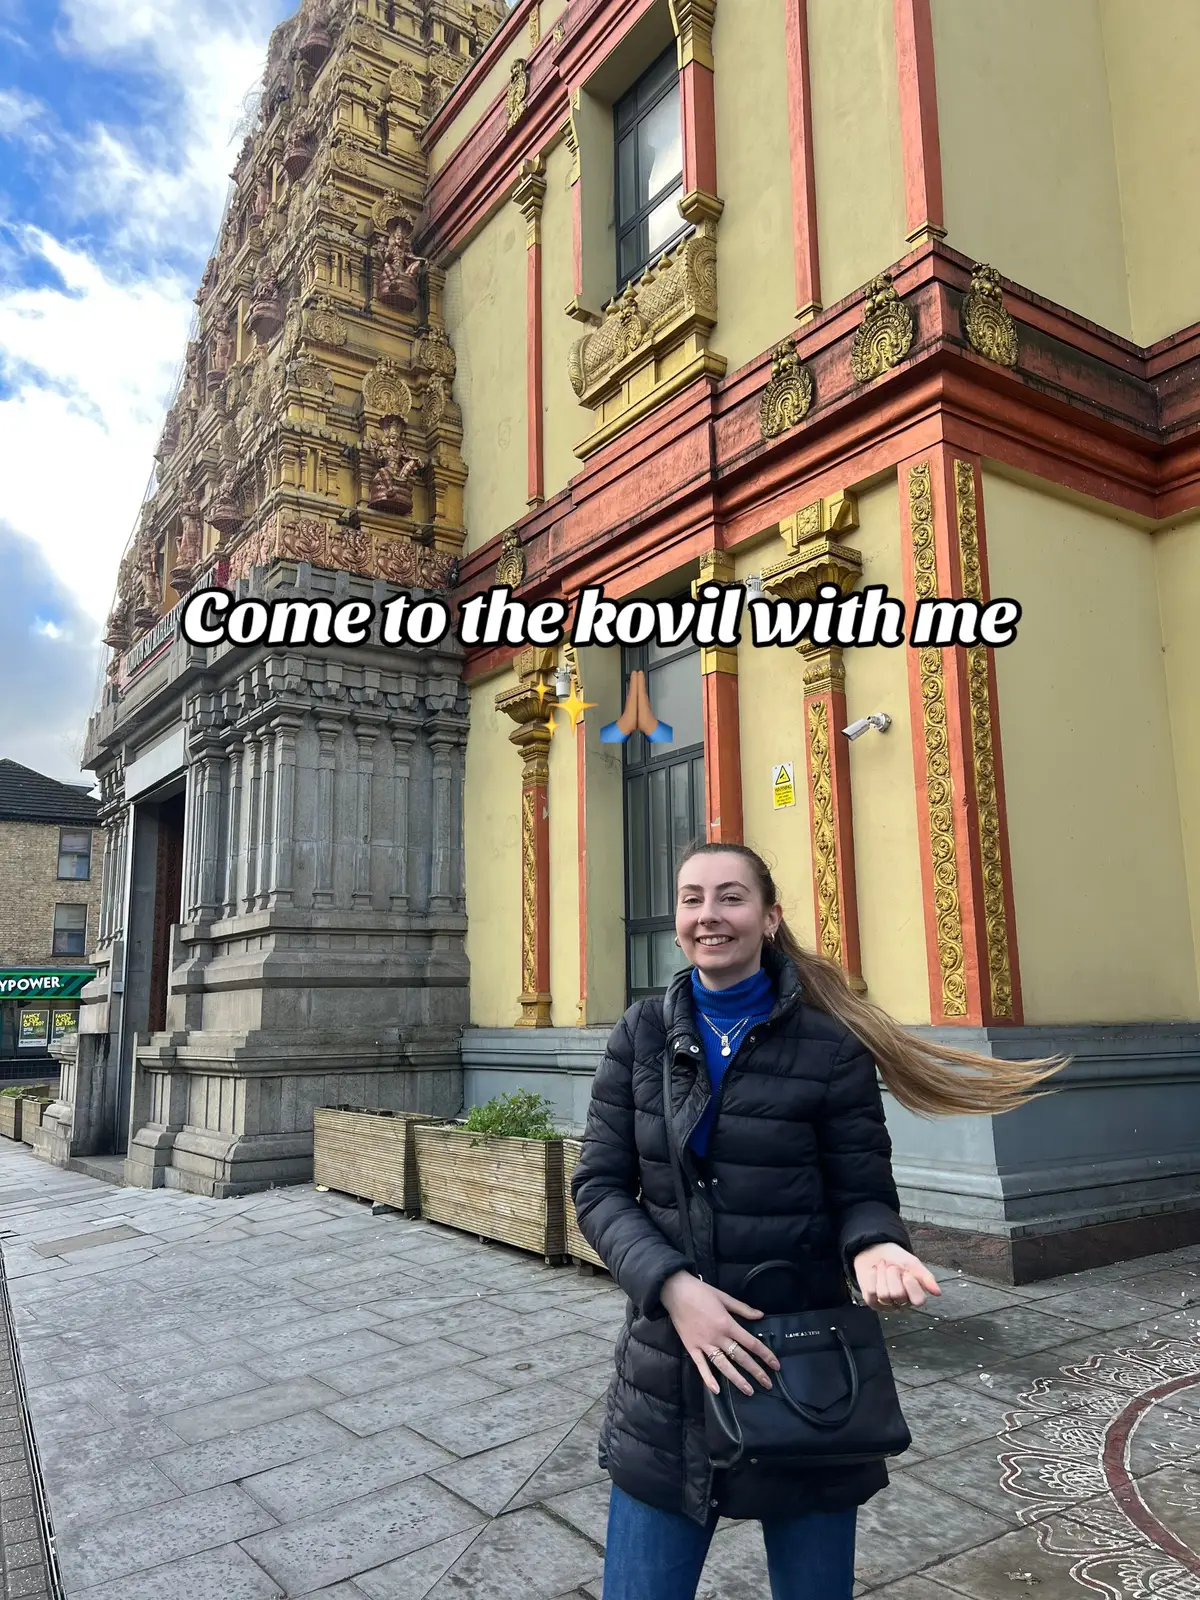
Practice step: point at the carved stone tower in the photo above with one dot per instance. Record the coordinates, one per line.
(283, 916)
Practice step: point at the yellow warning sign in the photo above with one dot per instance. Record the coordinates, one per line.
(783, 785)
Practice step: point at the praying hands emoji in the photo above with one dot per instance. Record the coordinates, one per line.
(637, 717)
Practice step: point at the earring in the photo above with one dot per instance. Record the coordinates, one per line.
(678, 946)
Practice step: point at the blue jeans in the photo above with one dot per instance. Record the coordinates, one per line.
(658, 1555)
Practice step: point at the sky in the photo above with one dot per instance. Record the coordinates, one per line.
(119, 124)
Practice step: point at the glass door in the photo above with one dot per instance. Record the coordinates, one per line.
(664, 810)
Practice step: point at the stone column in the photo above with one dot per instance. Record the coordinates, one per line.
(252, 815)
(444, 738)
(266, 834)
(529, 706)
(235, 826)
(285, 727)
(208, 900)
(365, 733)
(328, 732)
(814, 559)
(404, 734)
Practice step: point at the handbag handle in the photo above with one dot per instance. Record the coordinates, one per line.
(816, 1418)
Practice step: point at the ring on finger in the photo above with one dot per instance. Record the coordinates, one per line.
(732, 1348)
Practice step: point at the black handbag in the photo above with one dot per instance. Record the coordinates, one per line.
(833, 1401)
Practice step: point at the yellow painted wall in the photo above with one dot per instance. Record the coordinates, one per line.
(564, 876)
(1098, 864)
(770, 704)
(756, 284)
(856, 142)
(492, 839)
(1177, 560)
(1028, 164)
(563, 417)
(886, 846)
(1151, 50)
(485, 320)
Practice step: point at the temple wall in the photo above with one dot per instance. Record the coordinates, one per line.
(1100, 888)
(1028, 165)
(485, 320)
(756, 292)
(492, 823)
(563, 419)
(1151, 50)
(1177, 563)
(856, 142)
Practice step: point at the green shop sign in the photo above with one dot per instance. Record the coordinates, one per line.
(23, 984)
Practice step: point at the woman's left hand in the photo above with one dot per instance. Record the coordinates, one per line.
(890, 1277)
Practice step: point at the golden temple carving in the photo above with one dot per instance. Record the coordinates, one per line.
(653, 339)
(510, 568)
(787, 397)
(518, 91)
(988, 327)
(947, 905)
(995, 910)
(885, 334)
(824, 831)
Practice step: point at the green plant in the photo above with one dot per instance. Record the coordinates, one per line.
(523, 1115)
(15, 1092)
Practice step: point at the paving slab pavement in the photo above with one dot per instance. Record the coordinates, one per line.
(283, 1395)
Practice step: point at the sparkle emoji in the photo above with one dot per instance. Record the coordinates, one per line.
(575, 706)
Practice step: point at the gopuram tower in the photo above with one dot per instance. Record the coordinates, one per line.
(283, 915)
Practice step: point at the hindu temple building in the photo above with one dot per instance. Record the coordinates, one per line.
(644, 293)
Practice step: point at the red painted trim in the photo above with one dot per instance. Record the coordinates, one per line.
(722, 759)
(699, 118)
(804, 183)
(581, 842)
(918, 115)
(533, 370)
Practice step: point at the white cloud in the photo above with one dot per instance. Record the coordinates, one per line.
(94, 369)
(24, 120)
(47, 630)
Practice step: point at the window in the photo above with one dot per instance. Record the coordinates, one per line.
(74, 854)
(664, 811)
(70, 930)
(649, 177)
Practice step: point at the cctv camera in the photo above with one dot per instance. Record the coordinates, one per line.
(879, 720)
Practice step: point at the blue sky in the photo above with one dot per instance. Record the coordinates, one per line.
(119, 121)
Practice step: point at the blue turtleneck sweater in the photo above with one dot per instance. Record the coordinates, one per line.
(754, 997)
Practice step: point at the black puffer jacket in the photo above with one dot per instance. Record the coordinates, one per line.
(798, 1168)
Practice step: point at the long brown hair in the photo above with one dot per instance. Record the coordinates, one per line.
(921, 1075)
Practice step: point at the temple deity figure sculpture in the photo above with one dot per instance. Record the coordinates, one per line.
(265, 317)
(191, 545)
(220, 356)
(397, 267)
(391, 486)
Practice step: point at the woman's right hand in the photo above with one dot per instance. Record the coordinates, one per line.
(703, 1319)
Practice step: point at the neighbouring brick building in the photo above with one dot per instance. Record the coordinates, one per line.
(49, 907)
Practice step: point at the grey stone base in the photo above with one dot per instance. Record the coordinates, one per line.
(559, 1063)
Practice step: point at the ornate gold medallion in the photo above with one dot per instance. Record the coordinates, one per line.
(885, 335)
(989, 329)
(788, 396)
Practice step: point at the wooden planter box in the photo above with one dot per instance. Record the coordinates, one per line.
(505, 1189)
(369, 1154)
(33, 1109)
(10, 1116)
(577, 1246)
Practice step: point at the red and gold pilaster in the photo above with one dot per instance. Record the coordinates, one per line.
(722, 721)
(919, 137)
(814, 558)
(530, 196)
(529, 705)
(971, 944)
(804, 183)
(693, 23)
